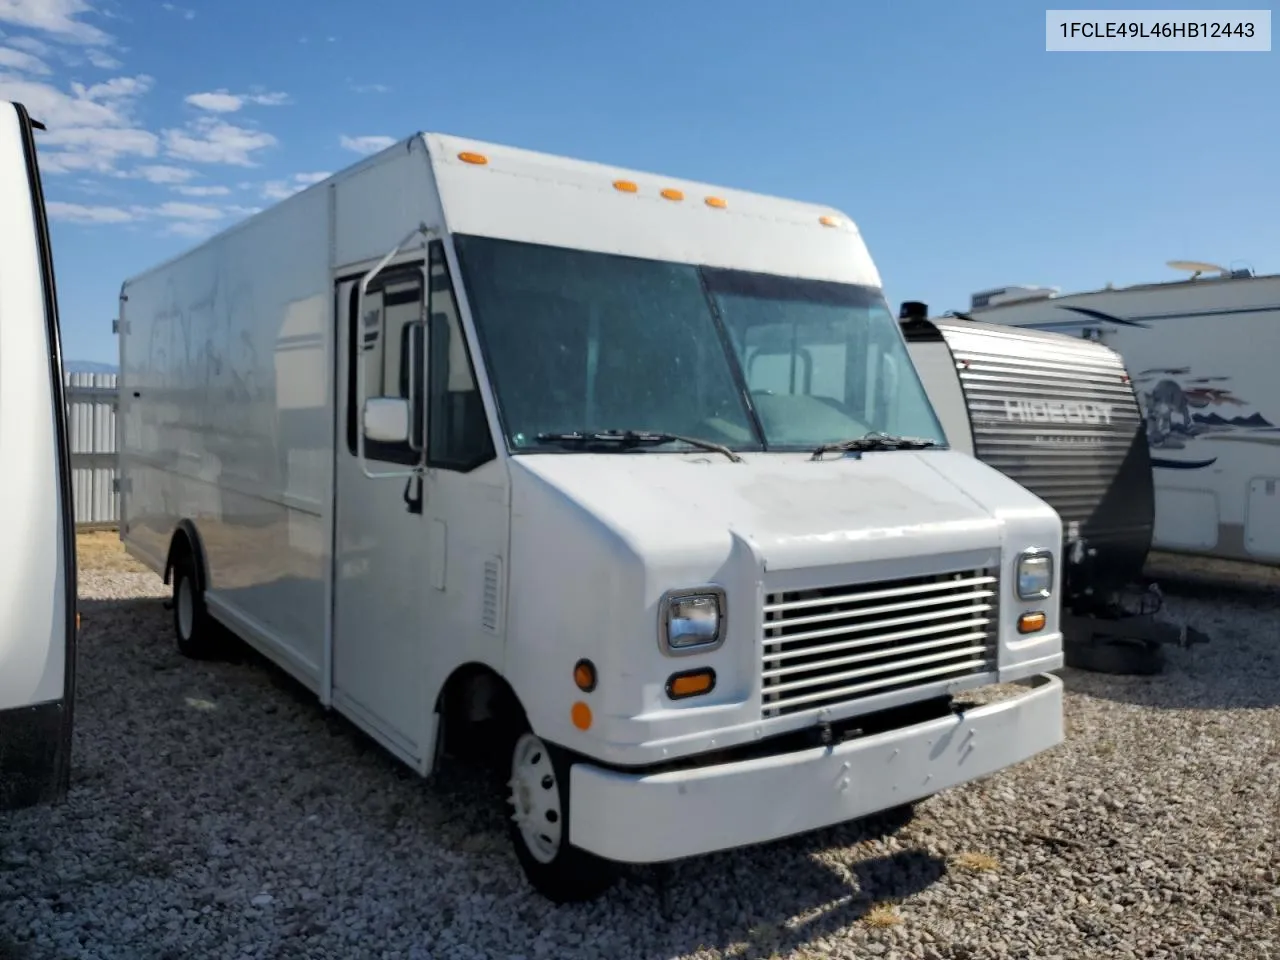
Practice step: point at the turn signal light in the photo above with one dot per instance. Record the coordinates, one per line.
(692, 683)
(1031, 622)
(584, 675)
(580, 714)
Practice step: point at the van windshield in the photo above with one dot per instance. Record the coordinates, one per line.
(578, 342)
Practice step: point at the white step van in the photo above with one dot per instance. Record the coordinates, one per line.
(627, 478)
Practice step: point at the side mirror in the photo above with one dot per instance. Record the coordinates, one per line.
(386, 419)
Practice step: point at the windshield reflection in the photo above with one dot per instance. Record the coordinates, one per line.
(583, 342)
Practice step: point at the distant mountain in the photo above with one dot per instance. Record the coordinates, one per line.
(88, 366)
(1213, 420)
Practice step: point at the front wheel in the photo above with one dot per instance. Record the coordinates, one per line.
(539, 800)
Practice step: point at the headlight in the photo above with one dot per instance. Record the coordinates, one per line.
(1035, 575)
(692, 621)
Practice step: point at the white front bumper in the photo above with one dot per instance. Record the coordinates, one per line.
(666, 816)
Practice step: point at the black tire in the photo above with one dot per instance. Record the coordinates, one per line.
(196, 633)
(1136, 658)
(567, 875)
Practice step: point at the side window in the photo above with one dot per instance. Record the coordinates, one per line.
(458, 435)
(380, 340)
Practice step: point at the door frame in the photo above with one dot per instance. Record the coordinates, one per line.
(352, 273)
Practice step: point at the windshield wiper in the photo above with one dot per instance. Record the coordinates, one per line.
(874, 441)
(637, 438)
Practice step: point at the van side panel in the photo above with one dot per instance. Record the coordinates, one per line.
(37, 568)
(226, 416)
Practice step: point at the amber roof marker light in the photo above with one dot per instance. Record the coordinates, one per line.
(479, 159)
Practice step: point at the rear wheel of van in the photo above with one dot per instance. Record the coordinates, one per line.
(196, 632)
(538, 800)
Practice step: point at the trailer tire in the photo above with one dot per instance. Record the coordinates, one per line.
(538, 795)
(197, 634)
(1135, 658)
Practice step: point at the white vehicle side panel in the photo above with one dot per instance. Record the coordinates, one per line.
(32, 584)
(227, 420)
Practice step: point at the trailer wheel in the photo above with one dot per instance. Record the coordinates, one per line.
(1137, 658)
(538, 797)
(196, 632)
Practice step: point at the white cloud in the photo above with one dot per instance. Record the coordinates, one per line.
(58, 18)
(96, 149)
(177, 210)
(222, 101)
(197, 191)
(83, 107)
(366, 144)
(94, 132)
(269, 99)
(216, 102)
(90, 128)
(103, 61)
(80, 213)
(22, 62)
(162, 173)
(117, 88)
(196, 230)
(280, 189)
(210, 140)
(31, 45)
(368, 87)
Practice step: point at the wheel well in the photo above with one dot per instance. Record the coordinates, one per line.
(474, 698)
(186, 540)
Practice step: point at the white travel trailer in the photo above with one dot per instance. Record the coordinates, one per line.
(498, 451)
(37, 567)
(1201, 353)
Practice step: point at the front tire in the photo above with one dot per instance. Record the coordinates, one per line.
(538, 797)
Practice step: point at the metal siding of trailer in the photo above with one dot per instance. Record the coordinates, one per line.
(1022, 388)
(91, 423)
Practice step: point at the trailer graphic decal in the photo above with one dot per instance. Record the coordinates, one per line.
(1179, 408)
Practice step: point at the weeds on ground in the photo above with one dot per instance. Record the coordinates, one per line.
(975, 861)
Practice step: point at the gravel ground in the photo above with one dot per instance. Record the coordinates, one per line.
(217, 812)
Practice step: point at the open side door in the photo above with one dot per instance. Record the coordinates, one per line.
(38, 617)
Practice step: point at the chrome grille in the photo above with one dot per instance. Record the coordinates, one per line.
(840, 644)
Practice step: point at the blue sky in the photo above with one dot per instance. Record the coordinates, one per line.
(968, 156)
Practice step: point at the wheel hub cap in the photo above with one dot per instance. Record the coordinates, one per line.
(536, 798)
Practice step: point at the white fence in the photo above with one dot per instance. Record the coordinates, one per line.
(91, 429)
